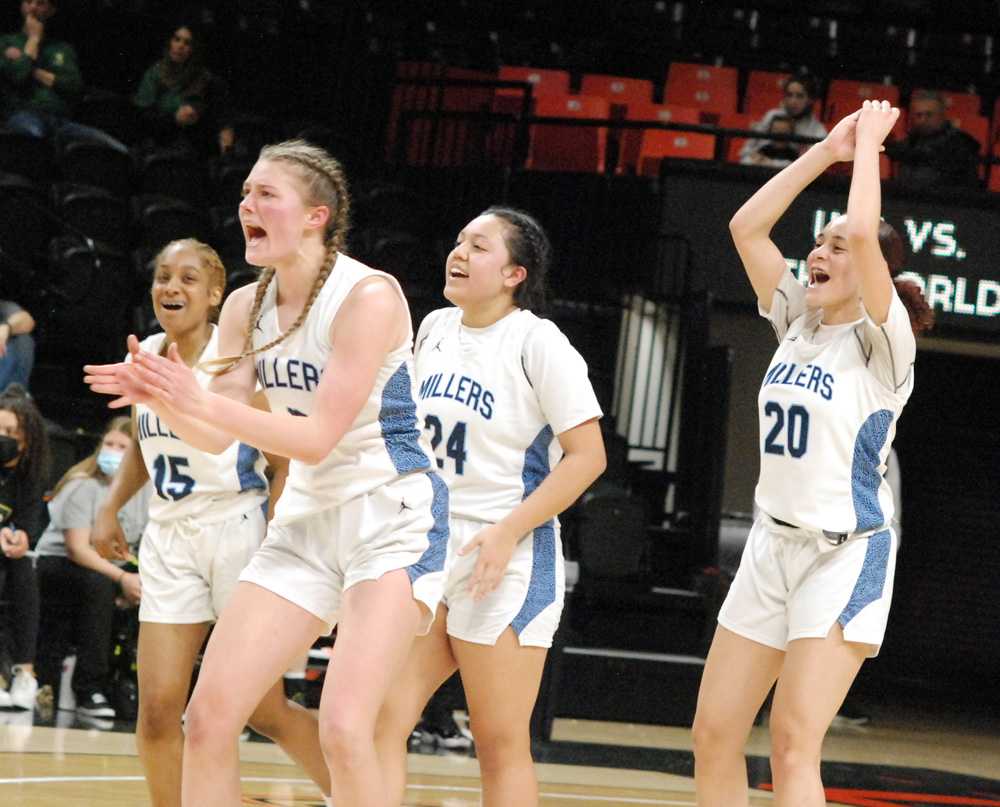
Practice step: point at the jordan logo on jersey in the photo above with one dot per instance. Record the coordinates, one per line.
(807, 376)
(150, 426)
(459, 388)
(288, 374)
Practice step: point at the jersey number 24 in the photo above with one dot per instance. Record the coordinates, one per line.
(454, 448)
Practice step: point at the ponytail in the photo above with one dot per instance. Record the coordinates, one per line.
(921, 314)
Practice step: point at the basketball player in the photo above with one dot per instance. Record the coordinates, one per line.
(359, 535)
(513, 420)
(811, 597)
(206, 519)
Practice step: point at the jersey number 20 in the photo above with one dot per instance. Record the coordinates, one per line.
(178, 484)
(797, 438)
(455, 448)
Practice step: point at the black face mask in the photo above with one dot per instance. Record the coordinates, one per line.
(9, 449)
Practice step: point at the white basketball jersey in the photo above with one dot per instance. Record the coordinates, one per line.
(381, 444)
(493, 400)
(192, 483)
(828, 408)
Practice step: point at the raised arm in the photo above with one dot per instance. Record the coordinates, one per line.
(864, 206)
(371, 323)
(751, 226)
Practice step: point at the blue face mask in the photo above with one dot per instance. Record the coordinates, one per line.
(108, 462)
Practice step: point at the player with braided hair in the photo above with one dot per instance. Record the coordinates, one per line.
(513, 419)
(359, 535)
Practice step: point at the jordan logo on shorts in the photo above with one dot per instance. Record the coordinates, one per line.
(403, 506)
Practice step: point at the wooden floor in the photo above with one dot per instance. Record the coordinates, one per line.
(73, 767)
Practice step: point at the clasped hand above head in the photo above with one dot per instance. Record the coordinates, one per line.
(871, 123)
(147, 378)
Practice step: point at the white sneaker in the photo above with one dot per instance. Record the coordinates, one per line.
(23, 690)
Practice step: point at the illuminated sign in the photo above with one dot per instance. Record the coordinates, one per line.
(946, 293)
(953, 247)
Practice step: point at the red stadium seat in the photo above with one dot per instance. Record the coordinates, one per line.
(975, 125)
(735, 120)
(617, 90)
(631, 139)
(844, 96)
(704, 86)
(960, 104)
(543, 82)
(994, 181)
(452, 136)
(658, 145)
(764, 91)
(569, 148)
(995, 126)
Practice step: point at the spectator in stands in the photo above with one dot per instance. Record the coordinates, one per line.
(797, 105)
(934, 152)
(182, 101)
(40, 81)
(71, 572)
(24, 461)
(17, 345)
(775, 153)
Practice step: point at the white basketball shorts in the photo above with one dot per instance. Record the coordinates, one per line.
(312, 561)
(529, 598)
(793, 584)
(189, 568)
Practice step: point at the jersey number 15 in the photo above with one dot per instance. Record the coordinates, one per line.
(171, 482)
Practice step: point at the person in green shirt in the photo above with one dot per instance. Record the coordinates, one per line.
(181, 100)
(40, 81)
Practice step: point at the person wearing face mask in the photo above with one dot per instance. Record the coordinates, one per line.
(72, 573)
(24, 463)
(810, 601)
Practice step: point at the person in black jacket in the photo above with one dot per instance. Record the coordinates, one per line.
(24, 461)
(934, 153)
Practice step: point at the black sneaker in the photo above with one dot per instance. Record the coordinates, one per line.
(423, 734)
(451, 737)
(96, 705)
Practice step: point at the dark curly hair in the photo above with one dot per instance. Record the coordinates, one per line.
(921, 314)
(529, 247)
(33, 467)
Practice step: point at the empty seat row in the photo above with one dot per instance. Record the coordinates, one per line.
(442, 142)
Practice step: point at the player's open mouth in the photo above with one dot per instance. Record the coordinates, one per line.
(254, 235)
(453, 272)
(172, 306)
(818, 277)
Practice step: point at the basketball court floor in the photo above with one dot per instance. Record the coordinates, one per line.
(916, 756)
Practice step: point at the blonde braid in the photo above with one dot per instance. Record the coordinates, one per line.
(325, 184)
(223, 364)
